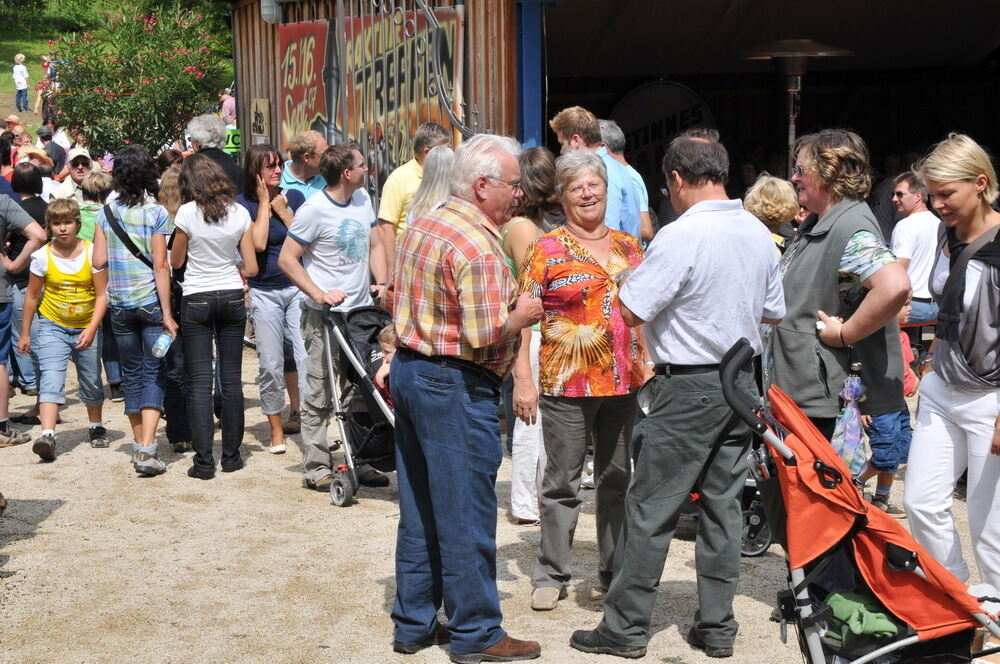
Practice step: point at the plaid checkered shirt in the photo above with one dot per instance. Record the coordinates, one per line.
(452, 290)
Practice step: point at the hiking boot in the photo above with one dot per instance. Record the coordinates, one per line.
(507, 649)
(98, 437)
(45, 447)
(439, 636)
(12, 437)
(694, 638)
(147, 463)
(591, 641)
(200, 474)
(117, 393)
(882, 502)
(294, 423)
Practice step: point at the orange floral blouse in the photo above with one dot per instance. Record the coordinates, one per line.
(587, 349)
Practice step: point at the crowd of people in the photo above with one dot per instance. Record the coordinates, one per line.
(547, 274)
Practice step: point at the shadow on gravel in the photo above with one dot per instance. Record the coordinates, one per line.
(20, 521)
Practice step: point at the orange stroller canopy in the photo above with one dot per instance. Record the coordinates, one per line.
(824, 507)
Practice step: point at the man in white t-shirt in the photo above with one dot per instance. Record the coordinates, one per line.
(914, 241)
(331, 236)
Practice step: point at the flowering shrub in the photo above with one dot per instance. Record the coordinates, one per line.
(141, 81)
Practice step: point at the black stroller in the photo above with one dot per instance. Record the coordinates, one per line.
(365, 419)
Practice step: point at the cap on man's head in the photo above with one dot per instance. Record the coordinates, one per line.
(44, 132)
(77, 152)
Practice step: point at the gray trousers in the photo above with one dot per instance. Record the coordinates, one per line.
(277, 315)
(570, 422)
(317, 399)
(690, 433)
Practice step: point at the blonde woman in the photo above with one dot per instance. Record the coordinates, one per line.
(774, 202)
(958, 416)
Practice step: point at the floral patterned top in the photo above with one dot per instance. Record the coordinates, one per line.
(587, 349)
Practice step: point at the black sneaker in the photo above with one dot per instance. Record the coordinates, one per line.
(694, 638)
(98, 437)
(588, 640)
(45, 447)
(117, 394)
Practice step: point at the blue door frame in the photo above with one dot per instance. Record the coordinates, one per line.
(531, 71)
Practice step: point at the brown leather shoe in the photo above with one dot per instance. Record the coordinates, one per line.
(507, 649)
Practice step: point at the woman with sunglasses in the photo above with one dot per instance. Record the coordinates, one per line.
(274, 300)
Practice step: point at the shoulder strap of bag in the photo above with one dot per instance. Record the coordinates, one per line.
(125, 238)
(963, 258)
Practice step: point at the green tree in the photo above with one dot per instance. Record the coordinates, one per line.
(142, 81)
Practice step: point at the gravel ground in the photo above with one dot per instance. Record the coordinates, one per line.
(99, 565)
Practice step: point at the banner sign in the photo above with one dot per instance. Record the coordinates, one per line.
(302, 103)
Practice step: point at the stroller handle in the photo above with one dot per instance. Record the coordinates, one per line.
(736, 359)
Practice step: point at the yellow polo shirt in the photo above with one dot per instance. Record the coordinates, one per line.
(399, 188)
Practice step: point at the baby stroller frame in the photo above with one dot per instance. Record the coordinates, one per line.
(345, 482)
(919, 592)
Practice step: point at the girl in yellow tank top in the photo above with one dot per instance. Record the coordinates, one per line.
(70, 297)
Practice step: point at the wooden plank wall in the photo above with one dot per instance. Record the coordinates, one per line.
(491, 57)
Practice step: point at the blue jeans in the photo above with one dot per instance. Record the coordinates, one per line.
(136, 331)
(447, 455)
(54, 346)
(23, 366)
(220, 316)
(922, 312)
(175, 386)
(889, 436)
(21, 100)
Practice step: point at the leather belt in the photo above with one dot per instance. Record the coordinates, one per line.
(684, 369)
(925, 300)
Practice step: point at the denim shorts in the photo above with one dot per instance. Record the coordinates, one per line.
(889, 437)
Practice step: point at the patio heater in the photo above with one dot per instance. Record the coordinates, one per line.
(791, 58)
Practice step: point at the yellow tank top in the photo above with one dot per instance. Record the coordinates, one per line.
(68, 299)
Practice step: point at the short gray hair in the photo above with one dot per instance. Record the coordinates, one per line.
(612, 136)
(208, 129)
(570, 164)
(478, 157)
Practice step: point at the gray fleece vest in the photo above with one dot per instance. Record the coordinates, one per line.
(810, 372)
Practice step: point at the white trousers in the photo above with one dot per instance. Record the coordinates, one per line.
(527, 453)
(954, 432)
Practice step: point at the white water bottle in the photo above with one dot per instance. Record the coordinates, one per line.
(162, 345)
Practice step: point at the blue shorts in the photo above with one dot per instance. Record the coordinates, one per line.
(889, 436)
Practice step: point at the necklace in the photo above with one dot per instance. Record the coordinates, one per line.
(607, 230)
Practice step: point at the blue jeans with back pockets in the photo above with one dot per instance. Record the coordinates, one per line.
(447, 456)
(136, 331)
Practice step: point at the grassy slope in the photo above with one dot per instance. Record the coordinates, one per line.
(33, 47)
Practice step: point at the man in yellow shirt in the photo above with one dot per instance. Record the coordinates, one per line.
(400, 186)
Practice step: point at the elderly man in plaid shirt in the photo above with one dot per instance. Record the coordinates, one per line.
(458, 321)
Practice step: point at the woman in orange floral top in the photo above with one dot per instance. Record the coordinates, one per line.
(590, 369)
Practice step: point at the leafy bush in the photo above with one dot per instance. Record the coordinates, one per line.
(142, 81)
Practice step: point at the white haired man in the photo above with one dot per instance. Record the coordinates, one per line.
(208, 134)
(458, 321)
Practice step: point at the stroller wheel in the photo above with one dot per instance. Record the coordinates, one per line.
(341, 490)
(756, 533)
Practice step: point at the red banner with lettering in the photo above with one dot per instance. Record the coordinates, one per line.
(303, 103)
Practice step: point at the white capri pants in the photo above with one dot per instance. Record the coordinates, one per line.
(527, 453)
(954, 432)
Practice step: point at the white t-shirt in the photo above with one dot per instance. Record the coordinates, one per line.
(20, 77)
(336, 238)
(916, 238)
(212, 248)
(973, 275)
(39, 265)
(708, 279)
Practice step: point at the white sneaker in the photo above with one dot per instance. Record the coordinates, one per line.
(587, 481)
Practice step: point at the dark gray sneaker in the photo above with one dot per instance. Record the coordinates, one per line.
(98, 437)
(694, 638)
(45, 447)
